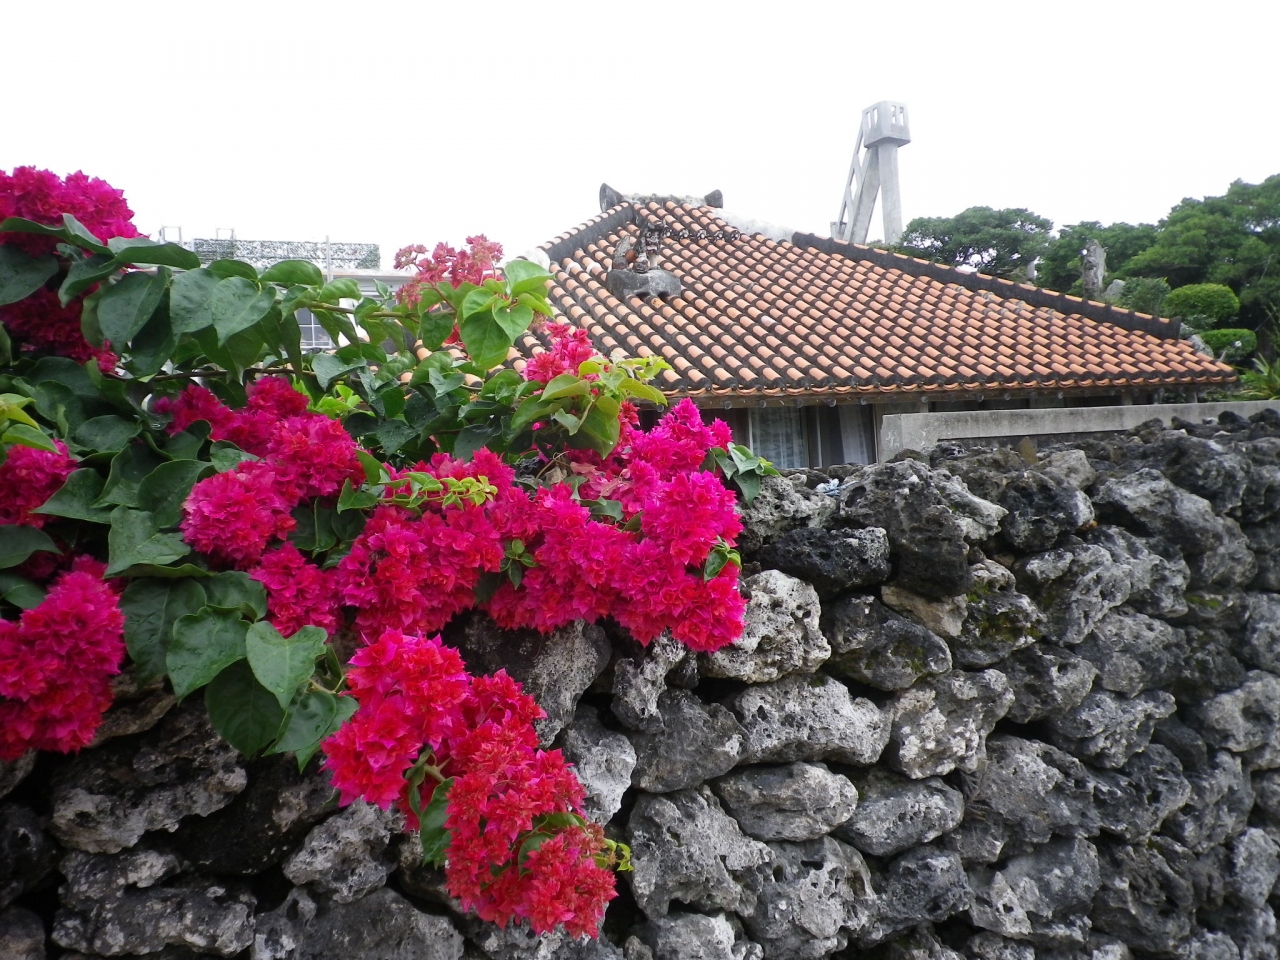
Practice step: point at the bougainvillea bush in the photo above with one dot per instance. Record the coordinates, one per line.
(187, 495)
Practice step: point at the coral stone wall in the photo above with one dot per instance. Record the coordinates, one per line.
(983, 708)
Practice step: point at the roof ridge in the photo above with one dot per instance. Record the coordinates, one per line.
(1036, 296)
(584, 233)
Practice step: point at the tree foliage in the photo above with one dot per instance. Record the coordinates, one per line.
(1202, 305)
(1002, 243)
(1062, 262)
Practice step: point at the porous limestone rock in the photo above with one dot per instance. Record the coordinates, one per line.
(1047, 681)
(809, 718)
(1075, 586)
(1254, 866)
(780, 632)
(811, 896)
(697, 741)
(639, 680)
(105, 800)
(941, 723)
(1158, 576)
(693, 936)
(1150, 505)
(603, 760)
(833, 561)
(944, 616)
(1108, 728)
(684, 847)
(997, 619)
(120, 903)
(991, 946)
(873, 645)
(1133, 652)
(382, 925)
(13, 772)
(1041, 508)
(1246, 718)
(27, 853)
(926, 883)
(1209, 668)
(895, 814)
(1133, 802)
(1218, 809)
(781, 506)
(1143, 899)
(1261, 646)
(799, 801)
(348, 855)
(1206, 468)
(1043, 896)
(1070, 466)
(21, 935)
(554, 668)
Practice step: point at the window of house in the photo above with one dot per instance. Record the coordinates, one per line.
(315, 338)
(778, 435)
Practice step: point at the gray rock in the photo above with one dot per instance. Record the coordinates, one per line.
(927, 535)
(27, 853)
(691, 936)
(1261, 498)
(834, 561)
(944, 616)
(1043, 896)
(895, 814)
(1243, 719)
(1264, 541)
(1133, 652)
(1143, 900)
(1261, 646)
(1047, 681)
(1210, 945)
(809, 718)
(1150, 505)
(780, 632)
(1223, 610)
(1221, 798)
(917, 944)
(684, 847)
(923, 884)
(105, 800)
(382, 925)
(1254, 865)
(21, 935)
(876, 647)
(348, 855)
(1209, 668)
(517, 941)
(603, 760)
(1033, 791)
(1204, 467)
(1075, 586)
(992, 946)
(697, 741)
(653, 283)
(873, 645)
(116, 904)
(998, 620)
(1070, 466)
(1253, 930)
(979, 518)
(638, 682)
(1183, 742)
(1134, 802)
(1107, 728)
(1158, 577)
(134, 708)
(1266, 792)
(781, 506)
(810, 896)
(1041, 508)
(801, 801)
(1228, 565)
(941, 723)
(555, 668)
(13, 772)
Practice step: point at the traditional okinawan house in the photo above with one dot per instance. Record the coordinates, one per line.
(804, 344)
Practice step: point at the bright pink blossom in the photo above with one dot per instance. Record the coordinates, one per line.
(232, 516)
(299, 593)
(29, 477)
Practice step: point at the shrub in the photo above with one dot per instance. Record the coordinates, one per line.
(1145, 295)
(1232, 344)
(1202, 305)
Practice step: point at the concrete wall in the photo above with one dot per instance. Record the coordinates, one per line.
(919, 431)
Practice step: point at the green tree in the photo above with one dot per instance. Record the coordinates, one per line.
(998, 242)
(1060, 265)
(1202, 305)
(1232, 240)
(1145, 295)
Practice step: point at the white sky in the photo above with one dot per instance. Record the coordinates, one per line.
(416, 122)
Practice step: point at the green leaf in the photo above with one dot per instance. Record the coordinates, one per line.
(435, 838)
(237, 304)
(477, 301)
(599, 429)
(644, 391)
(242, 710)
(20, 433)
(529, 412)
(151, 608)
(335, 290)
(748, 483)
(84, 273)
(486, 342)
(328, 368)
(524, 276)
(435, 329)
(20, 591)
(472, 438)
(18, 542)
(234, 590)
(140, 250)
(125, 307)
(186, 444)
(227, 456)
(373, 471)
(317, 715)
(76, 498)
(106, 434)
(565, 385)
(282, 664)
(513, 320)
(22, 275)
(203, 644)
(129, 468)
(191, 300)
(72, 231)
(136, 538)
(167, 487)
(77, 233)
(153, 345)
(394, 434)
(352, 499)
(233, 268)
(567, 420)
(294, 271)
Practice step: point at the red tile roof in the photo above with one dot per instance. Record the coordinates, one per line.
(814, 318)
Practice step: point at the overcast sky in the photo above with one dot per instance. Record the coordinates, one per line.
(416, 122)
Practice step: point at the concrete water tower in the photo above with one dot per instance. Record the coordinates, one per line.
(874, 172)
